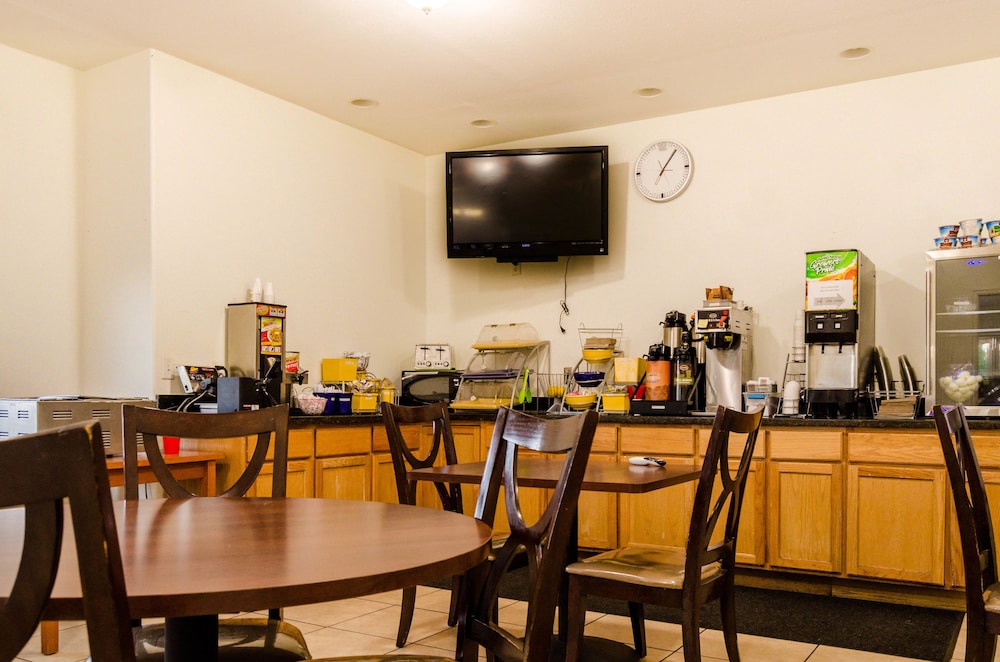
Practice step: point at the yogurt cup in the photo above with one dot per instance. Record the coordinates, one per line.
(972, 226)
(949, 231)
(942, 243)
(968, 241)
(993, 231)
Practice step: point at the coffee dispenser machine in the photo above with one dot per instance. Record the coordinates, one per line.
(839, 331)
(255, 346)
(727, 329)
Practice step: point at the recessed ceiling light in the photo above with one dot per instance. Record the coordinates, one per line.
(483, 124)
(855, 53)
(427, 6)
(648, 92)
(364, 103)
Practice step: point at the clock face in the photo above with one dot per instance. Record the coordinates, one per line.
(663, 170)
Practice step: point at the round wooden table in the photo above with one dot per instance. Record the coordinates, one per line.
(187, 558)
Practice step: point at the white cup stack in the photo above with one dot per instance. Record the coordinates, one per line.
(799, 337)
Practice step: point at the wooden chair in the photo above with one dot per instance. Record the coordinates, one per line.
(270, 639)
(40, 472)
(687, 579)
(975, 529)
(442, 449)
(544, 542)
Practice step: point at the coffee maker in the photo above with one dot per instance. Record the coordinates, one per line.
(839, 331)
(727, 329)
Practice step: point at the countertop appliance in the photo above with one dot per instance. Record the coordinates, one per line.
(839, 330)
(20, 416)
(963, 329)
(727, 327)
(255, 344)
(421, 387)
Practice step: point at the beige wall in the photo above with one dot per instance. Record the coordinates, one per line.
(38, 232)
(218, 183)
(876, 166)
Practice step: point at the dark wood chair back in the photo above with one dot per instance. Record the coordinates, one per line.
(726, 505)
(269, 425)
(40, 472)
(975, 529)
(442, 449)
(544, 542)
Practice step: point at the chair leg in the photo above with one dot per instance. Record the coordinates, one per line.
(456, 600)
(690, 635)
(576, 616)
(727, 609)
(637, 614)
(406, 615)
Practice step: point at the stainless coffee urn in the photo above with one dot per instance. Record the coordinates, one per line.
(839, 330)
(727, 329)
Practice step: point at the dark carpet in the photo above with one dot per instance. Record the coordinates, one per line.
(915, 632)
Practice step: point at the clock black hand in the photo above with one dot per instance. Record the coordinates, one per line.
(664, 168)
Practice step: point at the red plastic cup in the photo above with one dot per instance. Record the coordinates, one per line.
(171, 445)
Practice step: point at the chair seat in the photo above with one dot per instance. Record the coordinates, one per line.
(640, 564)
(243, 639)
(992, 599)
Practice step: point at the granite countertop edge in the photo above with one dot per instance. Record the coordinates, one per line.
(303, 421)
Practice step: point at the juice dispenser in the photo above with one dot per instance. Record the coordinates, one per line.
(839, 330)
(255, 344)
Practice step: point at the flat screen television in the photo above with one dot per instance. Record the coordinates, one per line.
(527, 205)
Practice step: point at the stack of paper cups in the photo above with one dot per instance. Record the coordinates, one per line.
(799, 337)
(790, 398)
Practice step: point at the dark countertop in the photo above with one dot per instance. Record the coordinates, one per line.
(626, 419)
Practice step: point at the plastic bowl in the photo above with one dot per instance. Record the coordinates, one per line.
(580, 402)
(312, 405)
(601, 354)
(588, 378)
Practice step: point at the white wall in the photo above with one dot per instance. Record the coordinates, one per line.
(248, 185)
(876, 166)
(115, 249)
(39, 269)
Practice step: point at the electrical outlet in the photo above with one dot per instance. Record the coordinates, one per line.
(169, 369)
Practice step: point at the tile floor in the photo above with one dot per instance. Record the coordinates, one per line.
(368, 626)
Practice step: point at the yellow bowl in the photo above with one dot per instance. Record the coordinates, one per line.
(597, 354)
(555, 391)
(581, 402)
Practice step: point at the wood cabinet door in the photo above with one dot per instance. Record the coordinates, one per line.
(298, 483)
(805, 516)
(344, 477)
(467, 448)
(896, 522)
(383, 479)
(956, 574)
(751, 542)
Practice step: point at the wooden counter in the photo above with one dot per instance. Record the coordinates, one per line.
(850, 507)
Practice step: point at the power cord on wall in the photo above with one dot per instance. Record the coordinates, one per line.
(564, 308)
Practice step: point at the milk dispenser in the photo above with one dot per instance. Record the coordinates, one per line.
(839, 330)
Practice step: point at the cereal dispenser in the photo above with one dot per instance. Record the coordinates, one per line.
(255, 344)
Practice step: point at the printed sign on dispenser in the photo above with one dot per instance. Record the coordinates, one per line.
(832, 280)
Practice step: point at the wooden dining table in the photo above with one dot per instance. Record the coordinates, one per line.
(620, 477)
(189, 560)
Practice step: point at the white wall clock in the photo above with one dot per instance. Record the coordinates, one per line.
(663, 170)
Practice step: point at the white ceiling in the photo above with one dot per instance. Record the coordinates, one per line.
(535, 67)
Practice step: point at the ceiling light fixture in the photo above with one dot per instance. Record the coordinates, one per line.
(483, 124)
(364, 103)
(855, 53)
(648, 92)
(427, 6)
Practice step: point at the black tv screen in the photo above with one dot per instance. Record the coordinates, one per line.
(525, 205)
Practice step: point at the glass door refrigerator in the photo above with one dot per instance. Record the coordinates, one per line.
(963, 329)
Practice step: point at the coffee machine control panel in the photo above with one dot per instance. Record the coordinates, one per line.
(728, 319)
